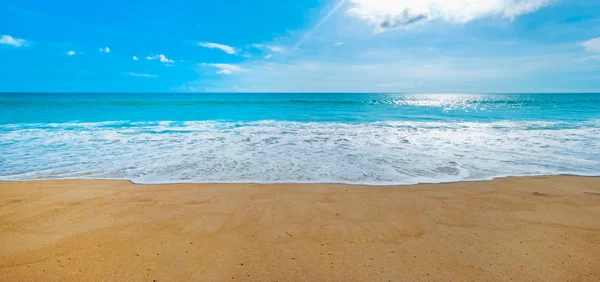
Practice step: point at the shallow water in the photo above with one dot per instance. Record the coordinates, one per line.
(376, 139)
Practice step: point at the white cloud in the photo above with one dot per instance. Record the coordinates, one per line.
(105, 50)
(71, 53)
(592, 45)
(9, 40)
(339, 43)
(226, 68)
(140, 74)
(392, 71)
(277, 49)
(389, 14)
(224, 48)
(162, 58)
(135, 58)
(272, 48)
(268, 56)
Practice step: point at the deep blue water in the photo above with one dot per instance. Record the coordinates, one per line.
(348, 138)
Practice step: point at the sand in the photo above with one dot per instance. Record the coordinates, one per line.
(521, 229)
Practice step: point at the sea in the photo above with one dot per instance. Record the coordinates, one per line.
(373, 139)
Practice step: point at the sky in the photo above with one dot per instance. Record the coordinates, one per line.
(374, 46)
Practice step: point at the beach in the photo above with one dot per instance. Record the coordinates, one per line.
(521, 229)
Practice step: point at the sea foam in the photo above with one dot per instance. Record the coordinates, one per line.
(380, 153)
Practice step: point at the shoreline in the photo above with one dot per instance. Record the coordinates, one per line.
(524, 228)
(305, 183)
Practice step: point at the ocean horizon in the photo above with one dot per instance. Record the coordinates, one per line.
(350, 138)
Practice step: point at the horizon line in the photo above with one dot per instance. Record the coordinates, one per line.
(290, 92)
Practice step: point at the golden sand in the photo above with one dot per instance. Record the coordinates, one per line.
(521, 229)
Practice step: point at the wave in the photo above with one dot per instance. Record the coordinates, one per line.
(379, 153)
(199, 125)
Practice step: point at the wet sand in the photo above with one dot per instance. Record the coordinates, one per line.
(520, 229)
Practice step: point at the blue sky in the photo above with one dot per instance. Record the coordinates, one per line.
(414, 46)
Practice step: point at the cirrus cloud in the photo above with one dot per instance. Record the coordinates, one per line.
(389, 14)
(277, 49)
(227, 49)
(226, 69)
(140, 74)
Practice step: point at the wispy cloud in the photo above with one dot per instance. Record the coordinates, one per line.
(71, 53)
(140, 74)
(392, 71)
(339, 43)
(226, 69)
(592, 45)
(135, 58)
(9, 40)
(389, 14)
(162, 58)
(268, 56)
(224, 48)
(105, 50)
(270, 48)
(276, 49)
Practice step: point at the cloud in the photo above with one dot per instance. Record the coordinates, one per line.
(226, 69)
(339, 43)
(391, 70)
(592, 45)
(140, 74)
(105, 50)
(276, 49)
(9, 40)
(389, 14)
(224, 48)
(162, 58)
(268, 56)
(272, 48)
(71, 53)
(135, 58)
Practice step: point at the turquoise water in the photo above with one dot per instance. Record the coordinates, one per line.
(376, 139)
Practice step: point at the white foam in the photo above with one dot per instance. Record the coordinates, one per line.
(382, 153)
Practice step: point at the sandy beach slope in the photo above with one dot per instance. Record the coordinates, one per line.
(521, 229)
